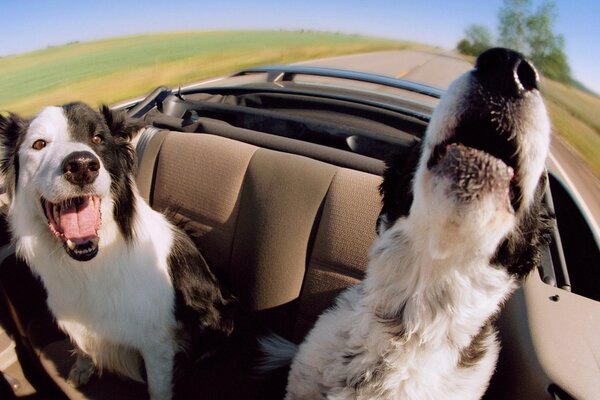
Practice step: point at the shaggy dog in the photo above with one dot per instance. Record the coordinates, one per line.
(446, 257)
(129, 288)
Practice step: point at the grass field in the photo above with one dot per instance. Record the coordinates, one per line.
(575, 115)
(116, 69)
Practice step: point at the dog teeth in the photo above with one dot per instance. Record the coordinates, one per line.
(71, 245)
(83, 251)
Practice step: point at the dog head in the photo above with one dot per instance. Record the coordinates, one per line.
(480, 169)
(66, 171)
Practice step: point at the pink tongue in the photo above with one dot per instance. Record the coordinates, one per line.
(78, 223)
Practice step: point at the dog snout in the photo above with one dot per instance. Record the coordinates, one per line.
(81, 168)
(506, 71)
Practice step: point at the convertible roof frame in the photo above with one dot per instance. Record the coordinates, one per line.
(281, 73)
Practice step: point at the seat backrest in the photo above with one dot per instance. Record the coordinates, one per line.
(345, 232)
(287, 232)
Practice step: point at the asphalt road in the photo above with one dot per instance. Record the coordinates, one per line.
(439, 70)
(429, 68)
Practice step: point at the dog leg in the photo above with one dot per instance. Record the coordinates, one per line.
(81, 371)
(159, 371)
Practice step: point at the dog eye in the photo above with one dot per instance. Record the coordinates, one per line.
(39, 144)
(98, 139)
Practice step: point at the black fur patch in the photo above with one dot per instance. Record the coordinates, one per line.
(206, 313)
(472, 354)
(394, 323)
(12, 130)
(370, 379)
(521, 251)
(351, 353)
(396, 187)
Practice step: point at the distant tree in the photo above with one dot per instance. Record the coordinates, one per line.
(540, 36)
(546, 50)
(555, 64)
(513, 24)
(478, 38)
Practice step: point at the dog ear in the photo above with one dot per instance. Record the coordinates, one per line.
(11, 126)
(122, 127)
(521, 251)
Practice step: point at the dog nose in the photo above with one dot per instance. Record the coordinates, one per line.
(81, 168)
(506, 71)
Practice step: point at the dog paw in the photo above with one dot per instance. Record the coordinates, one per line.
(80, 374)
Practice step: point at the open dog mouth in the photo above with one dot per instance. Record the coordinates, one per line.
(481, 154)
(76, 222)
(474, 171)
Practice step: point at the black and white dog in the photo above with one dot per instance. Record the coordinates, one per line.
(129, 288)
(420, 324)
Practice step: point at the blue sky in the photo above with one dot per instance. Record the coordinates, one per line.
(29, 25)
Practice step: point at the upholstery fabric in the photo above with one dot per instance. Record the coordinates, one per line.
(344, 236)
(199, 180)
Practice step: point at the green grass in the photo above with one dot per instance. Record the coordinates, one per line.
(575, 115)
(121, 68)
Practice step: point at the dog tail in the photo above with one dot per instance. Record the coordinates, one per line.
(277, 353)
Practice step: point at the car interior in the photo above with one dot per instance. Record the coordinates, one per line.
(279, 189)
